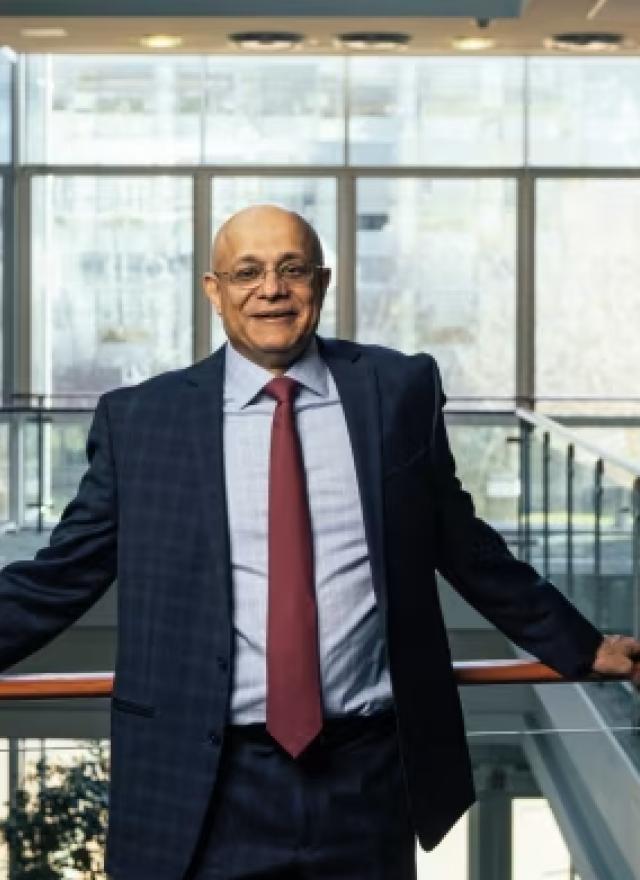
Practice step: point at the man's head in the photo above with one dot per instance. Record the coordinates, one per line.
(266, 285)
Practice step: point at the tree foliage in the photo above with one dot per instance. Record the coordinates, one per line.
(56, 826)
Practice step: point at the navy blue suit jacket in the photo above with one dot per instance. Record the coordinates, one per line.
(151, 510)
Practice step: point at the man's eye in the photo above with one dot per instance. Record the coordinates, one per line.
(246, 273)
(294, 270)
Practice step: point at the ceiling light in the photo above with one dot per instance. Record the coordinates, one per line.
(45, 33)
(584, 42)
(160, 41)
(384, 41)
(472, 44)
(266, 41)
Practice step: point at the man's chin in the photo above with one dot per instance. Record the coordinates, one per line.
(275, 354)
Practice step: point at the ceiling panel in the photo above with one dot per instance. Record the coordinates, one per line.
(429, 36)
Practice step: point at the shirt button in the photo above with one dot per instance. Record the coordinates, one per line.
(222, 664)
(214, 738)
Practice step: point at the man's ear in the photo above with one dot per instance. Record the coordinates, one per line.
(324, 280)
(211, 288)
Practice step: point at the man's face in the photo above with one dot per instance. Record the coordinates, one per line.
(271, 320)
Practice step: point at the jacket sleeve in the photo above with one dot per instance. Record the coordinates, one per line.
(41, 597)
(476, 561)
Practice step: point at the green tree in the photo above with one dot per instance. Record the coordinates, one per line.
(56, 826)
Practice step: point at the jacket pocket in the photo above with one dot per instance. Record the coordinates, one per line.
(132, 707)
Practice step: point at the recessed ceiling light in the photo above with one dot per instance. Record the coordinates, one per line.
(473, 44)
(384, 41)
(266, 41)
(45, 33)
(585, 42)
(160, 41)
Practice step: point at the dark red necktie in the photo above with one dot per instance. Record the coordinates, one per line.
(294, 705)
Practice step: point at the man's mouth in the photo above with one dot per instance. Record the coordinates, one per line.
(274, 316)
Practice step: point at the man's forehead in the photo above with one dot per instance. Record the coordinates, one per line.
(251, 232)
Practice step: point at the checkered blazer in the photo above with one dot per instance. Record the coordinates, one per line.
(151, 511)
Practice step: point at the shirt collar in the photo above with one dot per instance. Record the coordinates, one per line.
(244, 379)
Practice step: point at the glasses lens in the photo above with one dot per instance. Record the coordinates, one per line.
(246, 275)
(295, 271)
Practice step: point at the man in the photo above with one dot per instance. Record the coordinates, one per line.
(283, 702)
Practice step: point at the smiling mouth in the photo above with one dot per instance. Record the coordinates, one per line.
(274, 316)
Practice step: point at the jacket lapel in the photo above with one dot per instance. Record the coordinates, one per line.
(357, 385)
(203, 424)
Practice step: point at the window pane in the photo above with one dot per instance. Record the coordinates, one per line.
(573, 118)
(275, 111)
(312, 197)
(111, 279)
(436, 111)
(587, 302)
(436, 273)
(124, 109)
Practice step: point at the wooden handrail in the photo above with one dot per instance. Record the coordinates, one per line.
(56, 685)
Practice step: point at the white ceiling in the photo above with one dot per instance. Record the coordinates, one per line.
(429, 35)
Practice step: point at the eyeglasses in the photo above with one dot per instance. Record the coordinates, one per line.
(292, 272)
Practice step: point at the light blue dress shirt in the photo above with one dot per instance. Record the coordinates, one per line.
(353, 665)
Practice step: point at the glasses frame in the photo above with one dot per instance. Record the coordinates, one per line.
(314, 268)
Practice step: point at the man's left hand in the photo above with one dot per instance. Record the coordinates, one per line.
(619, 655)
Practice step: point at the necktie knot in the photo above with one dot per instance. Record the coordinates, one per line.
(283, 389)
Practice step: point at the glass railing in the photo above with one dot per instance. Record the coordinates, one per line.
(564, 505)
(42, 457)
(579, 521)
(528, 820)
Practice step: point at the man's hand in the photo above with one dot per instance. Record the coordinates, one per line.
(619, 655)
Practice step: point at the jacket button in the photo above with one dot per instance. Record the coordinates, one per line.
(214, 738)
(222, 664)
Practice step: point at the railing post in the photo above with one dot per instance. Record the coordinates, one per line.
(546, 456)
(571, 473)
(16, 506)
(524, 519)
(41, 452)
(597, 544)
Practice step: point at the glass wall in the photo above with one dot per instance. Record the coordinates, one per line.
(427, 163)
(436, 272)
(584, 112)
(587, 299)
(112, 278)
(436, 111)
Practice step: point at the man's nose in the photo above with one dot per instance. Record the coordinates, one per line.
(272, 282)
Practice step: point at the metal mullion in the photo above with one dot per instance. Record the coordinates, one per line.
(202, 234)
(8, 285)
(597, 543)
(346, 254)
(274, 170)
(22, 291)
(589, 173)
(525, 291)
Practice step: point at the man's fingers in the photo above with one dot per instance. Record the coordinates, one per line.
(617, 655)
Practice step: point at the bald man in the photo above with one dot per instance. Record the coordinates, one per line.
(284, 705)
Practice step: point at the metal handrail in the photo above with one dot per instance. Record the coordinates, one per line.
(547, 424)
(45, 686)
